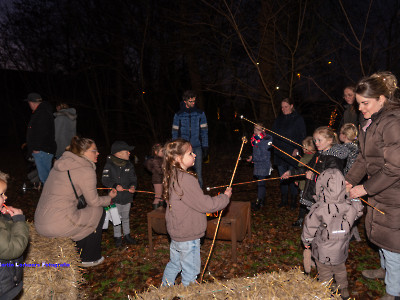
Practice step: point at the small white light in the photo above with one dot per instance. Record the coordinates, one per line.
(241, 116)
(277, 87)
(208, 189)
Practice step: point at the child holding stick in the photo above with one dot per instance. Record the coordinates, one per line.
(186, 212)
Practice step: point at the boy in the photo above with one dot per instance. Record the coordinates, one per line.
(119, 173)
(14, 235)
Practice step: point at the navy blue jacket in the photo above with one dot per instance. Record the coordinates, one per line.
(291, 126)
(262, 157)
(191, 124)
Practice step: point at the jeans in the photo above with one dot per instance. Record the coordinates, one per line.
(391, 262)
(261, 188)
(289, 183)
(185, 257)
(198, 164)
(123, 211)
(43, 164)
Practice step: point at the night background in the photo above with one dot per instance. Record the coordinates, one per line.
(125, 64)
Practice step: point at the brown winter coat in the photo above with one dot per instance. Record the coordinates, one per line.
(56, 214)
(154, 166)
(379, 158)
(327, 226)
(187, 207)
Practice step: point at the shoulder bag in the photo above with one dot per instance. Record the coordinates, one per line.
(81, 199)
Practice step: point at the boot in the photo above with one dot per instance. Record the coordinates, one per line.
(344, 293)
(118, 241)
(374, 274)
(129, 240)
(284, 200)
(298, 223)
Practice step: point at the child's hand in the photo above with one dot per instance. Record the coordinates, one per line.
(119, 188)
(112, 193)
(309, 175)
(132, 189)
(285, 175)
(249, 158)
(12, 211)
(228, 192)
(348, 187)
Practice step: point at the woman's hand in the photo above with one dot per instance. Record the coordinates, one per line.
(309, 175)
(12, 211)
(285, 175)
(249, 158)
(357, 191)
(228, 192)
(132, 189)
(112, 193)
(119, 188)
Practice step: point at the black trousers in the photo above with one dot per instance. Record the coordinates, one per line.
(90, 247)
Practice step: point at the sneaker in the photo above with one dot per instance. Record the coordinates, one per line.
(344, 293)
(130, 240)
(374, 274)
(118, 241)
(88, 264)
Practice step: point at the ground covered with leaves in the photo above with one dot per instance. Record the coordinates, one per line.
(274, 244)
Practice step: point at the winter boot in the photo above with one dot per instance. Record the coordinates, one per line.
(284, 200)
(374, 274)
(129, 240)
(298, 223)
(118, 241)
(344, 293)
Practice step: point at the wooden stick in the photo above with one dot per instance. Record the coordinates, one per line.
(136, 191)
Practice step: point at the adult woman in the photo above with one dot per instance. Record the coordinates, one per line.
(379, 158)
(290, 125)
(65, 127)
(57, 214)
(350, 114)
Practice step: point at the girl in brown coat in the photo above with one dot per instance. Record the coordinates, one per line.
(57, 214)
(379, 159)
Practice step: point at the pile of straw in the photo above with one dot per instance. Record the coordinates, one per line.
(51, 268)
(277, 285)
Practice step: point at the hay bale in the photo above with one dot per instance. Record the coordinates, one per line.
(51, 269)
(293, 284)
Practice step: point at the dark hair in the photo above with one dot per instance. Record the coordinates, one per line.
(156, 148)
(350, 87)
(309, 142)
(381, 83)
(188, 94)
(288, 100)
(79, 145)
(62, 105)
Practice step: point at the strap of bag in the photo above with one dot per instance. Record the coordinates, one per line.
(69, 176)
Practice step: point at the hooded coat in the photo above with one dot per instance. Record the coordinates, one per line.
(328, 224)
(56, 214)
(65, 128)
(379, 159)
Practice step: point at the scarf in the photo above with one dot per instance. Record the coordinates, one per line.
(255, 139)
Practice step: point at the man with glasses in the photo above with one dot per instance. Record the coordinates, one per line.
(190, 123)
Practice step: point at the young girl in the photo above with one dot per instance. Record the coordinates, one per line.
(154, 165)
(261, 143)
(186, 212)
(330, 155)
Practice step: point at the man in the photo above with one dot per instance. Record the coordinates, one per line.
(40, 135)
(190, 123)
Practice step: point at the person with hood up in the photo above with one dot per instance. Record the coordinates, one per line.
(65, 127)
(327, 229)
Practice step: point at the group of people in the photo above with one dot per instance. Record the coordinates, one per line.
(336, 177)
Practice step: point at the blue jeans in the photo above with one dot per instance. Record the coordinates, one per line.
(185, 257)
(198, 164)
(261, 188)
(43, 164)
(289, 183)
(391, 262)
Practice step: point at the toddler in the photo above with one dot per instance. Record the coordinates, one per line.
(154, 165)
(119, 173)
(186, 212)
(14, 235)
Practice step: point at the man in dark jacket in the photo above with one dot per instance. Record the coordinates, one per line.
(40, 138)
(190, 123)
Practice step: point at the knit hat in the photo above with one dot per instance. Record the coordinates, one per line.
(33, 97)
(120, 146)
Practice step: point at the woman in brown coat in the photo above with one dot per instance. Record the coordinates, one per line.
(379, 159)
(57, 214)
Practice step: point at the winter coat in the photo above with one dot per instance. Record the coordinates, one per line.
(191, 124)
(56, 213)
(332, 158)
(353, 153)
(328, 224)
(40, 135)
(290, 126)
(305, 159)
(14, 235)
(262, 157)
(379, 158)
(187, 207)
(154, 165)
(65, 128)
(119, 172)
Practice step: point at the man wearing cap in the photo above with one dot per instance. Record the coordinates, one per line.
(40, 138)
(190, 123)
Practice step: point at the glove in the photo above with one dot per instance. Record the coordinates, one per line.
(205, 152)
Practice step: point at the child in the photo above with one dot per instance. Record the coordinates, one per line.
(330, 155)
(14, 235)
(119, 173)
(327, 228)
(261, 143)
(154, 165)
(186, 212)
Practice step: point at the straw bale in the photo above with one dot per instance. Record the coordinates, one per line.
(54, 271)
(293, 284)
